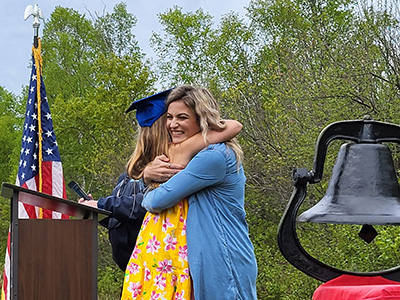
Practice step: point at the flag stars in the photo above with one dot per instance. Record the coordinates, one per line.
(38, 134)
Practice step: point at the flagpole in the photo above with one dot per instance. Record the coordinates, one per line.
(35, 34)
(37, 14)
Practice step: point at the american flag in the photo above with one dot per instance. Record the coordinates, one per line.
(40, 167)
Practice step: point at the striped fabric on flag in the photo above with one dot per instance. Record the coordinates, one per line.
(40, 167)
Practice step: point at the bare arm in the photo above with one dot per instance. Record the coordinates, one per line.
(162, 167)
(182, 153)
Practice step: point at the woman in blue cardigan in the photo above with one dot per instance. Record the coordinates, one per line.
(221, 256)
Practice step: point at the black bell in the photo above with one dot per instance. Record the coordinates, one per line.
(363, 189)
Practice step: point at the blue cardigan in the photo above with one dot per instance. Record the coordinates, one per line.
(221, 255)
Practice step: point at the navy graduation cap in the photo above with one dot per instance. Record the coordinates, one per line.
(149, 109)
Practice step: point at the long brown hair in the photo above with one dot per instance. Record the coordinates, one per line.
(202, 102)
(151, 142)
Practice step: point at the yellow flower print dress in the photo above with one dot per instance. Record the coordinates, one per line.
(158, 268)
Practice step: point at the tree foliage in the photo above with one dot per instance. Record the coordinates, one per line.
(183, 46)
(108, 70)
(11, 116)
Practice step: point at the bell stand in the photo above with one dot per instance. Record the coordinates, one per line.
(359, 131)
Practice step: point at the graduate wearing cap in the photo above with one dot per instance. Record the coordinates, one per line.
(124, 203)
(152, 140)
(158, 266)
(161, 243)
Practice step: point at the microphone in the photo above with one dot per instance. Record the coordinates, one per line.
(77, 189)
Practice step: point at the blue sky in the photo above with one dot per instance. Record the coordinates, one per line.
(17, 34)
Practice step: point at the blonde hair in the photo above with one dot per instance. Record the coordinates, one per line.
(208, 115)
(151, 142)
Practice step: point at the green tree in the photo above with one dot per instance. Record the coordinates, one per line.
(11, 118)
(102, 73)
(184, 46)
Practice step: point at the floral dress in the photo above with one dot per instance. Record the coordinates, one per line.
(158, 268)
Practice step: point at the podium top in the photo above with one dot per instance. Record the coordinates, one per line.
(50, 202)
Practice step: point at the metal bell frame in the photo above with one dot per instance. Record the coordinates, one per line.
(358, 131)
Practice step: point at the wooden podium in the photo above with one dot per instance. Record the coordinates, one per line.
(52, 258)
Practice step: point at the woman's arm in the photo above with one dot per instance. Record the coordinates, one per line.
(182, 153)
(207, 168)
(232, 129)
